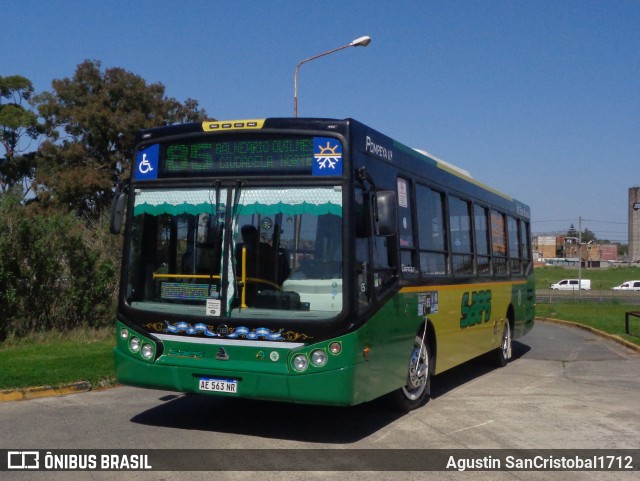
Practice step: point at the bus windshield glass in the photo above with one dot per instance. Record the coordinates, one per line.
(281, 257)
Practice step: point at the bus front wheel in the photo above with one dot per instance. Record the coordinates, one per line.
(418, 388)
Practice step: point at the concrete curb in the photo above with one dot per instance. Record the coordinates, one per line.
(593, 330)
(27, 393)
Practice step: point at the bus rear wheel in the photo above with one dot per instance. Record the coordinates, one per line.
(503, 353)
(418, 388)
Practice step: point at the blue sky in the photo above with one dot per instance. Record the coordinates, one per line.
(540, 99)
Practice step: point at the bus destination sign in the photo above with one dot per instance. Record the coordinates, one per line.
(220, 157)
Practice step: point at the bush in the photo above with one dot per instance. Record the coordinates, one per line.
(56, 271)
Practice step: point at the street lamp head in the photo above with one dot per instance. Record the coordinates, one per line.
(358, 42)
(361, 42)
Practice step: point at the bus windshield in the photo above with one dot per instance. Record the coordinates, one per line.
(281, 257)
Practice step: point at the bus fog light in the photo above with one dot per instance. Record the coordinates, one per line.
(147, 351)
(318, 358)
(300, 362)
(124, 333)
(134, 344)
(335, 348)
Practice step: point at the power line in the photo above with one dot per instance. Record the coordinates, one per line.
(574, 220)
(605, 221)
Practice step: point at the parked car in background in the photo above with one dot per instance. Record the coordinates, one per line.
(628, 286)
(572, 285)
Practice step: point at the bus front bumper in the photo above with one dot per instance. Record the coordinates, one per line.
(334, 387)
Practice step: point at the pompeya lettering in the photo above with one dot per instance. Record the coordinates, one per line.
(377, 149)
(475, 308)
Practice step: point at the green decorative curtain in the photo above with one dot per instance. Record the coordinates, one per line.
(313, 200)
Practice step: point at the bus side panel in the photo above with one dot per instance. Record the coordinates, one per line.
(467, 319)
(523, 301)
(385, 343)
(389, 335)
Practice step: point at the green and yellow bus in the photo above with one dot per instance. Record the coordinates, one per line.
(311, 261)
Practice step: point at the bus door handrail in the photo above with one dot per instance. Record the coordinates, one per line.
(185, 276)
(244, 279)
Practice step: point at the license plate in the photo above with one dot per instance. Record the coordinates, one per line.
(219, 385)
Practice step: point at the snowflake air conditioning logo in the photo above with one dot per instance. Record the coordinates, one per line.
(327, 156)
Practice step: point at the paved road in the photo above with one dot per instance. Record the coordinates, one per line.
(566, 388)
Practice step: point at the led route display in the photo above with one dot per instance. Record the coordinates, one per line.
(293, 154)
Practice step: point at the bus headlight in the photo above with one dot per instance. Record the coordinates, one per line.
(147, 351)
(335, 348)
(124, 333)
(134, 344)
(300, 362)
(318, 358)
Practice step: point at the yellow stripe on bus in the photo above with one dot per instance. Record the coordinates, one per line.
(460, 286)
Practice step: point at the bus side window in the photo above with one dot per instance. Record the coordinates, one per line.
(515, 252)
(499, 242)
(408, 264)
(431, 234)
(525, 246)
(481, 227)
(461, 237)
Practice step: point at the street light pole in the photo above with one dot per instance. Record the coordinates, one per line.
(580, 258)
(358, 42)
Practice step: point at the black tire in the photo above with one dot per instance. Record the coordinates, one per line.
(503, 352)
(418, 388)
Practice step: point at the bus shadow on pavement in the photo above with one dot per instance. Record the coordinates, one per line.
(314, 424)
(297, 422)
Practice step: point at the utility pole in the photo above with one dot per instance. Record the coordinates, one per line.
(580, 258)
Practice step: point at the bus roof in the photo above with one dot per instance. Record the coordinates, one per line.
(342, 126)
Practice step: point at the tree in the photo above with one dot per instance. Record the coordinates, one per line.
(18, 122)
(588, 236)
(585, 236)
(57, 271)
(91, 121)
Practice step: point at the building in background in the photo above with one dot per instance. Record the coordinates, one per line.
(565, 251)
(634, 224)
(545, 246)
(609, 252)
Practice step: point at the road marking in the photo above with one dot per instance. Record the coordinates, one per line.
(471, 427)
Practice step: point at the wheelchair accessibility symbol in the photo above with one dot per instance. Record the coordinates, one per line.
(147, 163)
(145, 166)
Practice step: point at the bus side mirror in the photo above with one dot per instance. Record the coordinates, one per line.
(386, 213)
(117, 212)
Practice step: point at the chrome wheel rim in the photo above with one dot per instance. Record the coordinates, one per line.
(418, 371)
(506, 340)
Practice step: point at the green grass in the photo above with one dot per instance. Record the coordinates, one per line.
(58, 358)
(607, 317)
